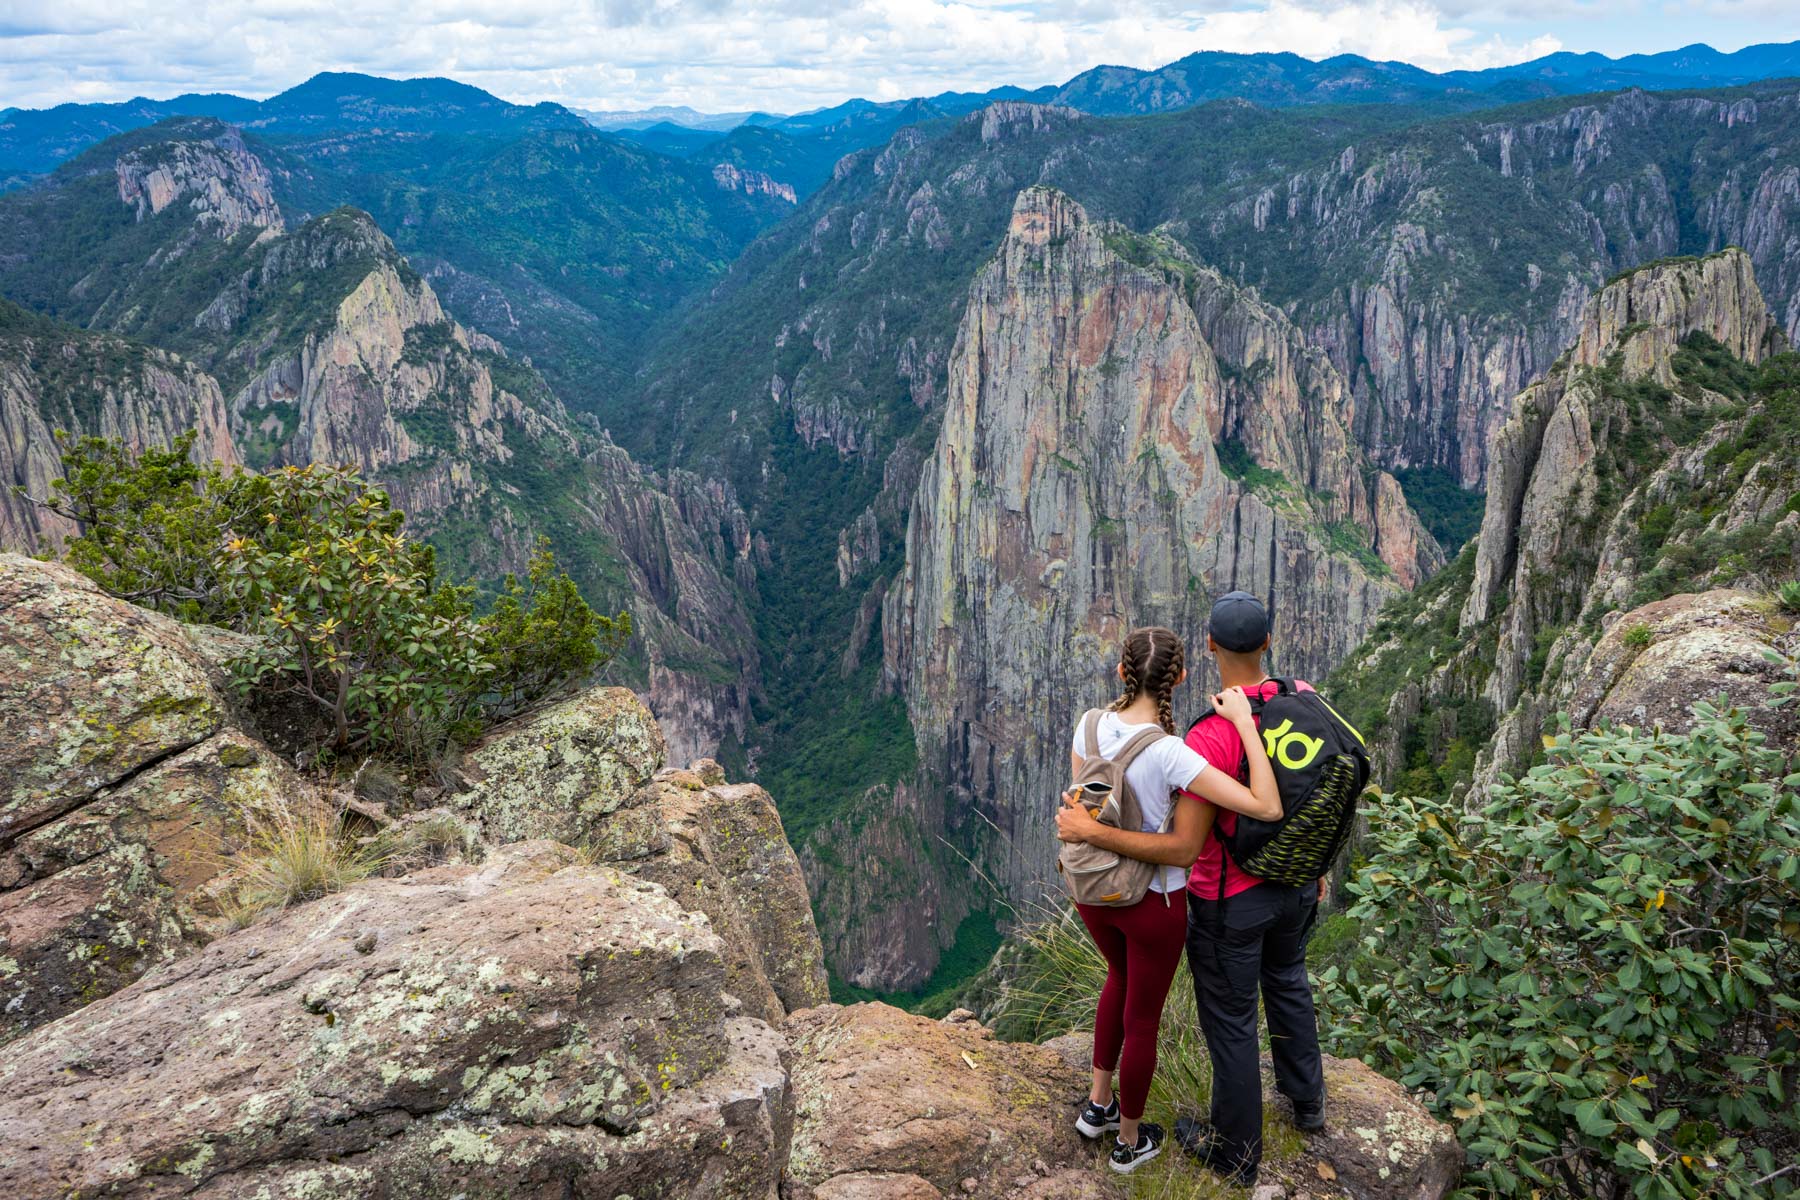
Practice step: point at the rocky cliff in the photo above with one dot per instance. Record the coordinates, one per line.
(1079, 488)
(330, 348)
(1444, 269)
(1655, 461)
(56, 377)
(506, 1016)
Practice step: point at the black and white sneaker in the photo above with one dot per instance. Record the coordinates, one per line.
(1126, 1159)
(1095, 1120)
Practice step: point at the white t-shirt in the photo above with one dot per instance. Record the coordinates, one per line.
(1166, 765)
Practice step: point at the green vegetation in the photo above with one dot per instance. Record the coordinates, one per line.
(1616, 935)
(1449, 513)
(352, 618)
(978, 939)
(301, 856)
(1684, 547)
(1235, 461)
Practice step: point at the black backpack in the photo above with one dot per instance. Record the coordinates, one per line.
(1321, 767)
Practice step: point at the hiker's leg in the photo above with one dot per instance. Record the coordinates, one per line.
(1109, 1015)
(1226, 960)
(1288, 999)
(1156, 931)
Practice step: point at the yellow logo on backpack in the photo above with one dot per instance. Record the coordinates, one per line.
(1291, 748)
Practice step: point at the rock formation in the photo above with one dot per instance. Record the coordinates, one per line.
(127, 785)
(1641, 471)
(55, 377)
(1078, 490)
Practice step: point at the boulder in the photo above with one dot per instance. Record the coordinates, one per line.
(561, 771)
(92, 690)
(1655, 661)
(724, 853)
(126, 793)
(129, 880)
(1379, 1142)
(888, 1103)
(530, 1027)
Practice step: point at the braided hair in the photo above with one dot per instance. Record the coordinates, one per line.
(1152, 660)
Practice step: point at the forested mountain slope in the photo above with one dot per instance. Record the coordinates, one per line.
(320, 343)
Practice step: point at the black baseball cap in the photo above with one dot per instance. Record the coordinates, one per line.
(1239, 622)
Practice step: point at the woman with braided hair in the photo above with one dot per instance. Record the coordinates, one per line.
(1143, 942)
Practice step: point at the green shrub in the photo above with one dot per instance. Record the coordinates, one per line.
(1595, 975)
(1788, 596)
(540, 632)
(351, 616)
(350, 612)
(1638, 636)
(150, 527)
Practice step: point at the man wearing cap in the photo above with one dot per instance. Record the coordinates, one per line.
(1245, 933)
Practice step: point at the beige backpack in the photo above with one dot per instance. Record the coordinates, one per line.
(1100, 877)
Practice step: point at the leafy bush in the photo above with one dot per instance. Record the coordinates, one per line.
(1595, 975)
(352, 617)
(541, 632)
(1788, 596)
(1638, 636)
(350, 612)
(151, 528)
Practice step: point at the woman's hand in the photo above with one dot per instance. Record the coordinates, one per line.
(1073, 821)
(1232, 704)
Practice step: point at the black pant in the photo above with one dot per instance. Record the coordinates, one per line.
(1262, 939)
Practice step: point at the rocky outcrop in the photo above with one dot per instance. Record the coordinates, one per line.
(720, 849)
(127, 793)
(225, 186)
(561, 772)
(1078, 490)
(752, 183)
(889, 1104)
(517, 1029)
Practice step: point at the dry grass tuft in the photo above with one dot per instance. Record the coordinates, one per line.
(296, 858)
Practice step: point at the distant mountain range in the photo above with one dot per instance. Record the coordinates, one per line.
(34, 141)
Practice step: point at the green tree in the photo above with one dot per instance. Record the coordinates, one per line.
(152, 526)
(540, 632)
(352, 616)
(1596, 974)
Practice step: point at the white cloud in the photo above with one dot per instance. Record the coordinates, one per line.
(712, 54)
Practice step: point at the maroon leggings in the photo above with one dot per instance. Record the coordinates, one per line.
(1143, 946)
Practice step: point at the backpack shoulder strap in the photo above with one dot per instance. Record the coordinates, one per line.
(1090, 733)
(1139, 743)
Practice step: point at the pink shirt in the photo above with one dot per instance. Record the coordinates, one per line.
(1218, 743)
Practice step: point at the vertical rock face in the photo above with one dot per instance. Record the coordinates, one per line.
(227, 188)
(1645, 463)
(1077, 491)
(55, 377)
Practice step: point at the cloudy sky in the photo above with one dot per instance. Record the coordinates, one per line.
(786, 55)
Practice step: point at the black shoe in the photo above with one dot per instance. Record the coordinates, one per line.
(1309, 1117)
(1201, 1141)
(1126, 1159)
(1095, 1120)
